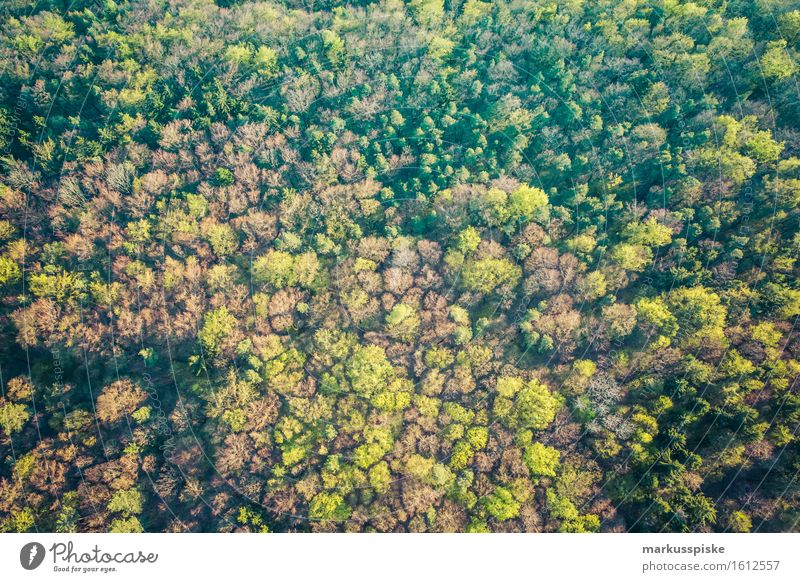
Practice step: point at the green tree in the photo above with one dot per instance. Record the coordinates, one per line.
(126, 502)
(501, 504)
(468, 240)
(369, 370)
(276, 268)
(522, 405)
(217, 327)
(13, 417)
(328, 507)
(9, 271)
(541, 460)
(222, 239)
(776, 63)
(487, 275)
(403, 321)
(699, 312)
(129, 525)
(527, 203)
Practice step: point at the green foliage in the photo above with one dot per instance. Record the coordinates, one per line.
(699, 313)
(468, 240)
(223, 177)
(217, 327)
(18, 522)
(126, 502)
(9, 271)
(129, 525)
(222, 239)
(380, 477)
(655, 314)
(67, 521)
(541, 460)
(739, 522)
(571, 520)
(13, 417)
(252, 520)
(57, 284)
(488, 275)
(632, 257)
(527, 203)
(528, 405)
(378, 442)
(461, 456)
(501, 504)
(328, 507)
(648, 233)
(265, 60)
(276, 269)
(356, 258)
(776, 63)
(403, 321)
(369, 370)
(280, 269)
(334, 47)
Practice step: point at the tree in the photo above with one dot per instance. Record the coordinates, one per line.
(535, 406)
(380, 477)
(328, 507)
(655, 317)
(9, 271)
(222, 239)
(541, 460)
(739, 522)
(218, 325)
(699, 313)
(265, 61)
(620, 319)
(13, 417)
(632, 257)
(118, 400)
(649, 233)
(527, 203)
(502, 505)
(403, 321)
(126, 502)
(223, 177)
(776, 63)
(368, 370)
(468, 240)
(129, 525)
(366, 272)
(571, 520)
(488, 275)
(522, 405)
(276, 269)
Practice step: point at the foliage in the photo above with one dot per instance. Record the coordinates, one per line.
(399, 266)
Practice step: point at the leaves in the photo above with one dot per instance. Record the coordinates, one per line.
(478, 266)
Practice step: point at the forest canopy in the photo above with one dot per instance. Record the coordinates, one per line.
(399, 266)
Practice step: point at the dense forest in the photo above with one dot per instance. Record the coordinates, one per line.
(399, 266)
